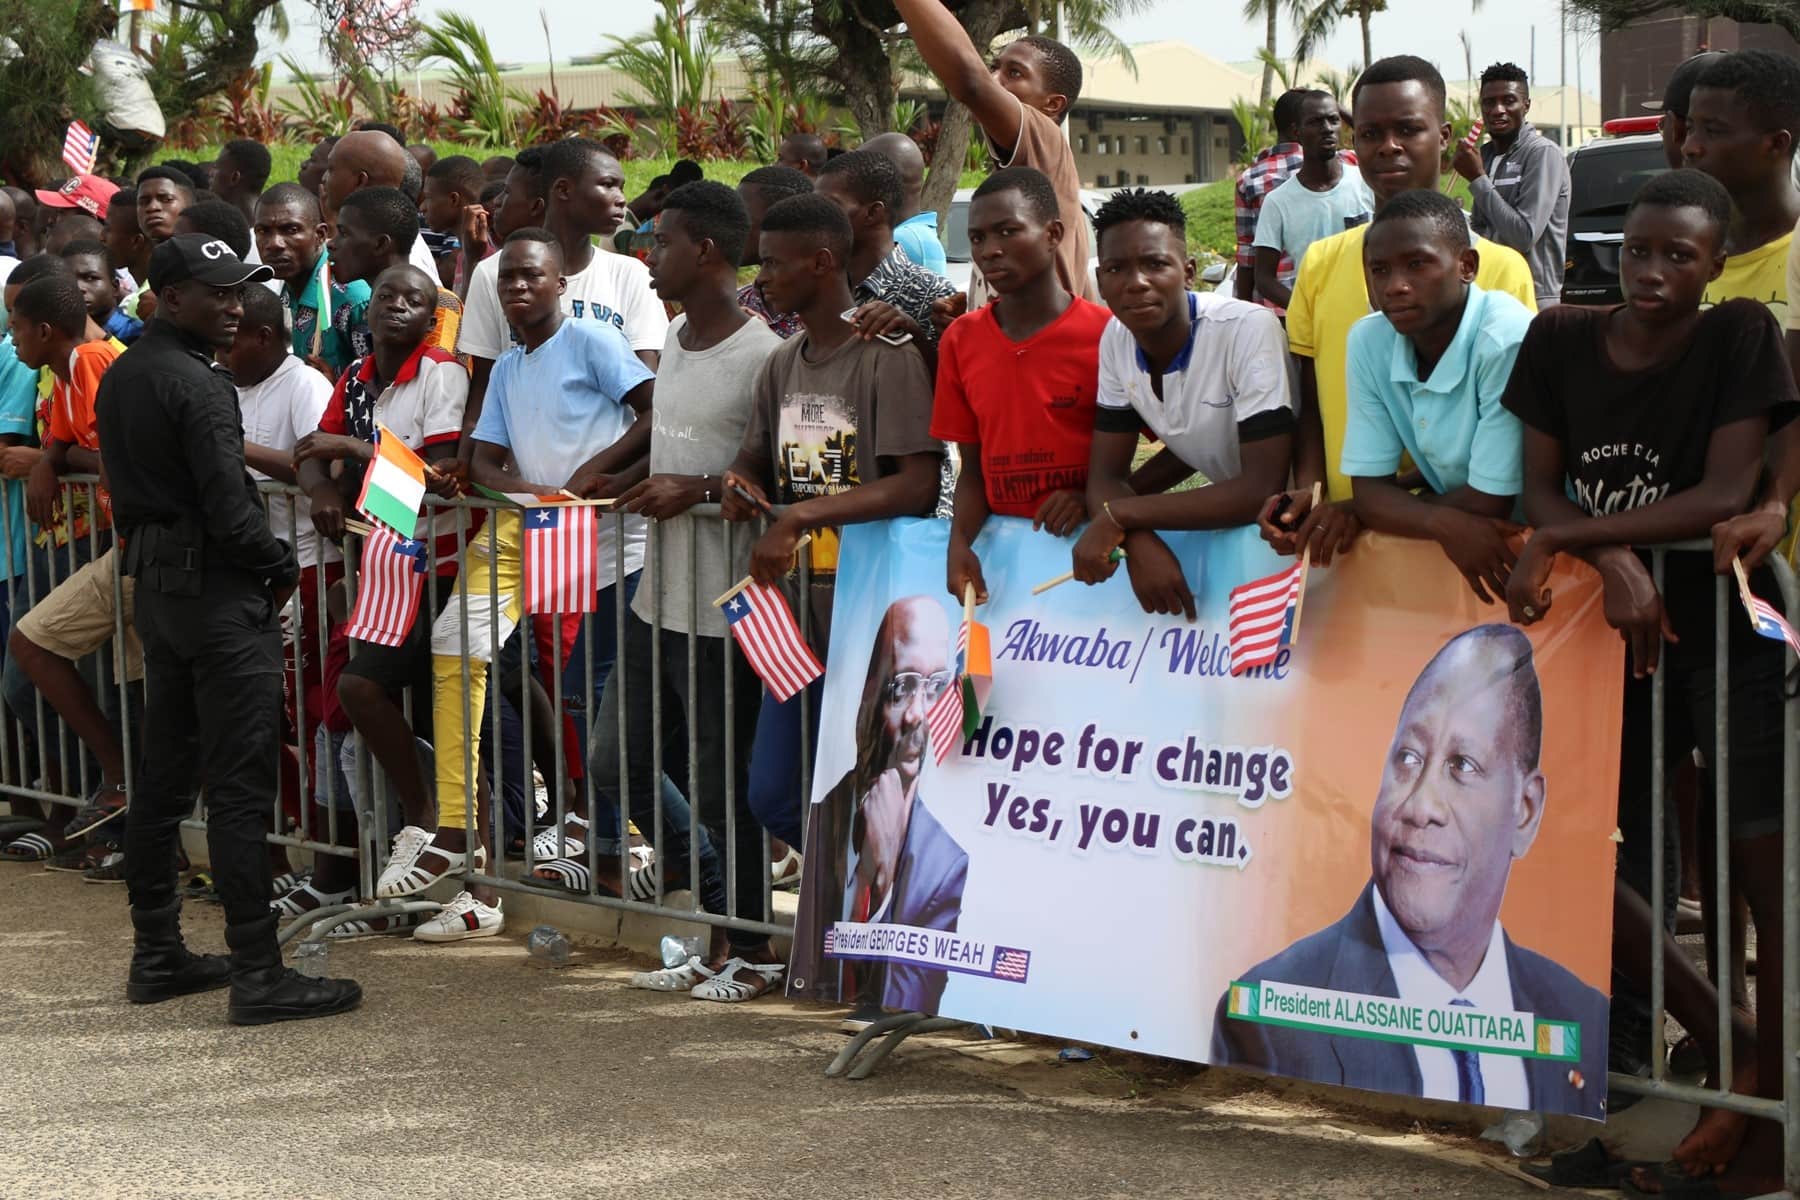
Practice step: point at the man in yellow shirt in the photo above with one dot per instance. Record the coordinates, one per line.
(1401, 138)
(1741, 129)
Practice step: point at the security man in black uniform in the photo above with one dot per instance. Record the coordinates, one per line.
(210, 579)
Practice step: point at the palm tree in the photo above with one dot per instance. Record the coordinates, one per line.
(475, 74)
(1269, 11)
(1320, 20)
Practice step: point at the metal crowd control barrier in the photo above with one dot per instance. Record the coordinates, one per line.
(50, 766)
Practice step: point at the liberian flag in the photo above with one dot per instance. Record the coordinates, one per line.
(388, 583)
(394, 485)
(765, 630)
(562, 559)
(1262, 617)
(81, 146)
(1770, 623)
(944, 719)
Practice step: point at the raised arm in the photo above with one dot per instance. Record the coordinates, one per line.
(945, 46)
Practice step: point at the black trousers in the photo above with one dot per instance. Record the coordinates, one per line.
(212, 713)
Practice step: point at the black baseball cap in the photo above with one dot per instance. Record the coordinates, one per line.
(205, 259)
(1680, 88)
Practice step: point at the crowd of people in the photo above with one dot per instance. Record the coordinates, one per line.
(1403, 361)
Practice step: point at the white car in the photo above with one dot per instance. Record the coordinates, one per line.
(955, 235)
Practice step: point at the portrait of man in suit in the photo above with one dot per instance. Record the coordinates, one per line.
(1461, 798)
(888, 860)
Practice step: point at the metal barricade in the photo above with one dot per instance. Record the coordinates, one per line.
(1726, 609)
(51, 766)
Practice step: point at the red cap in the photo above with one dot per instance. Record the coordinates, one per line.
(89, 193)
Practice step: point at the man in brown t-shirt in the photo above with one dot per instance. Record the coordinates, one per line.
(840, 427)
(1020, 103)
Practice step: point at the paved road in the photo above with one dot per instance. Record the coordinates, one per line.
(471, 1072)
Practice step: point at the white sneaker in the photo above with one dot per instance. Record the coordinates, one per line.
(464, 917)
(400, 876)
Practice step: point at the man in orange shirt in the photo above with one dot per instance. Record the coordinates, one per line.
(51, 329)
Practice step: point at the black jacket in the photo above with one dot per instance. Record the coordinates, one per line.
(172, 443)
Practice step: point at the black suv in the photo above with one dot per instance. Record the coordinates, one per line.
(1604, 175)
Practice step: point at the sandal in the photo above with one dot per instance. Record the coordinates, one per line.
(726, 988)
(684, 978)
(110, 870)
(545, 846)
(307, 898)
(642, 884)
(565, 875)
(786, 873)
(77, 860)
(1590, 1166)
(281, 885)
(374, 926)
(33, 847)
(105, 804)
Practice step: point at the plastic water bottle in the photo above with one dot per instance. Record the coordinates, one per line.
(311, 959)
(547, 944)
(1520, 1132)
(677, 950)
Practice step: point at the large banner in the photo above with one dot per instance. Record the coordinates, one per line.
(1385, 860)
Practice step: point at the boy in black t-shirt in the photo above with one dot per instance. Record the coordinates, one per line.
(1645, 424)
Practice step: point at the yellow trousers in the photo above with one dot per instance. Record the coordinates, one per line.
(481, 615)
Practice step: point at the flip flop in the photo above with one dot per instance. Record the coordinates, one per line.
(727, 988)
(565, 875)
(32, 848)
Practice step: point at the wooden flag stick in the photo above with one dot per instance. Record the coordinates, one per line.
(360, 528)
(968, 603)
(1118, 555)
(747, 580)
(1737, 566)
(1305, 570)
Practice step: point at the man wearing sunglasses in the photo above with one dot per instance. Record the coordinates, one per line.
(890, 862)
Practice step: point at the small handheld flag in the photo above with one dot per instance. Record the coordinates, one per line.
(1474, 135)
(1764, 617)
(81, 146)
(974, 664)
(764, 627)
(1263, 615)
(562, 559)
(394, 485)
(391, 576)
(944, 720)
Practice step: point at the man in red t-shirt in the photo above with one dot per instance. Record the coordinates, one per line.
(1017, 379)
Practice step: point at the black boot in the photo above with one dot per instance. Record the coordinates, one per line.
(161, 967)
(264, 991)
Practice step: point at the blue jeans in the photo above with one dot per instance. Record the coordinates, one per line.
(775, 760)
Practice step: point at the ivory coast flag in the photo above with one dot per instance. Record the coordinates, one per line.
(394, 485)
(975, 667)
(1243, 1000)
(1559, 1039)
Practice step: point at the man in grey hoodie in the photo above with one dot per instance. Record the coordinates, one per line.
(1519, 181)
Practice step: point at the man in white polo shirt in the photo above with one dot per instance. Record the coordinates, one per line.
(1205, 374)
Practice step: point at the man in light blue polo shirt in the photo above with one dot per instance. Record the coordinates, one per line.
(1426, 372)
(914, 232)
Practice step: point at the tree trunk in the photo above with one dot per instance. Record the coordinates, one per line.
(1362, 15)
(862, 71)
(1269, 31)
(983, 19)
